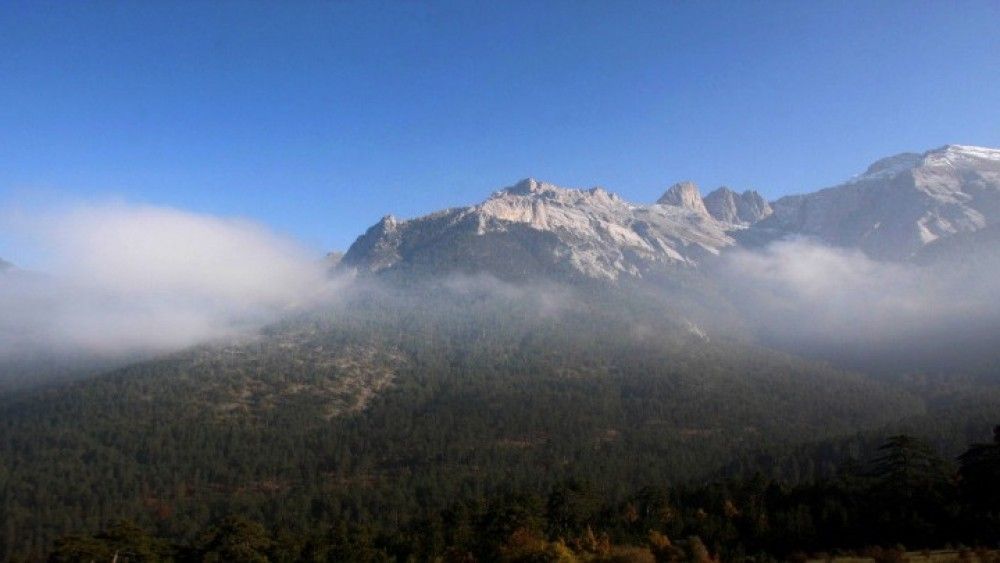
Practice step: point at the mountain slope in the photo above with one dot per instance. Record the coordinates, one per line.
(463, 392)
(898, 205)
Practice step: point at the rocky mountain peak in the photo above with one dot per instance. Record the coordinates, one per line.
(900, 204)
(538, 229)
(527, 186)
(947, 157)
(890, 166)
(684, 194)
(378, 248)
(738, 209)
(961, 156)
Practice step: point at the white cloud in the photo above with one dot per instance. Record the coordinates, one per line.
(125, 278)
(802, 291)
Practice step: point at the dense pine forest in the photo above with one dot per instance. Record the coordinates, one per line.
(906, 497)
(453, 422)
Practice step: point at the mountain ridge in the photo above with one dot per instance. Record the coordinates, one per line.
(591, 233)
(896, 207)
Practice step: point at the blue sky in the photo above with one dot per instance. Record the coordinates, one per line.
(318, 118)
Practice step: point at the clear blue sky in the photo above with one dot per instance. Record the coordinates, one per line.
(318, 118)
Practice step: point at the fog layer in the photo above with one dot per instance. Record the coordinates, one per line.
(800, 292)
(124, 278)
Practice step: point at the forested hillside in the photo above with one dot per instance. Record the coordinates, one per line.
(398, 404)
(903, 497)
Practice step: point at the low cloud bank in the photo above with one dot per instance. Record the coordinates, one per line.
(803, 292)
(124, 278)
(546, 299)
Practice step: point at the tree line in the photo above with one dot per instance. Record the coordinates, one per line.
(906, 497)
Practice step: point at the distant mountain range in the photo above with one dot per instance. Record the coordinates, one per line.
(896, 210)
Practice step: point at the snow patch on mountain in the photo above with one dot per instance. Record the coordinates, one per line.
(899, 204)
(957, 155)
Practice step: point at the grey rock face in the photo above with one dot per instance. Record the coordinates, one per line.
(739, 209)
(686, 195)
(536, 227)
(379, 247)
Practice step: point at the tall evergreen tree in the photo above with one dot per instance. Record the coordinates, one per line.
(979, 474)
(913, 485)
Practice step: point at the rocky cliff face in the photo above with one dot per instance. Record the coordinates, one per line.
(738, 209)
(686, 195)
(533, 227)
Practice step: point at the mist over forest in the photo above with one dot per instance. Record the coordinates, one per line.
(127, 281)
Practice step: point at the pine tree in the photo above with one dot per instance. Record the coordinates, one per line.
(979, 475)
(912, 486)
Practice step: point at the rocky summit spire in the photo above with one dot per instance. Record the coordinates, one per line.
(684, 194)
(738, 209)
